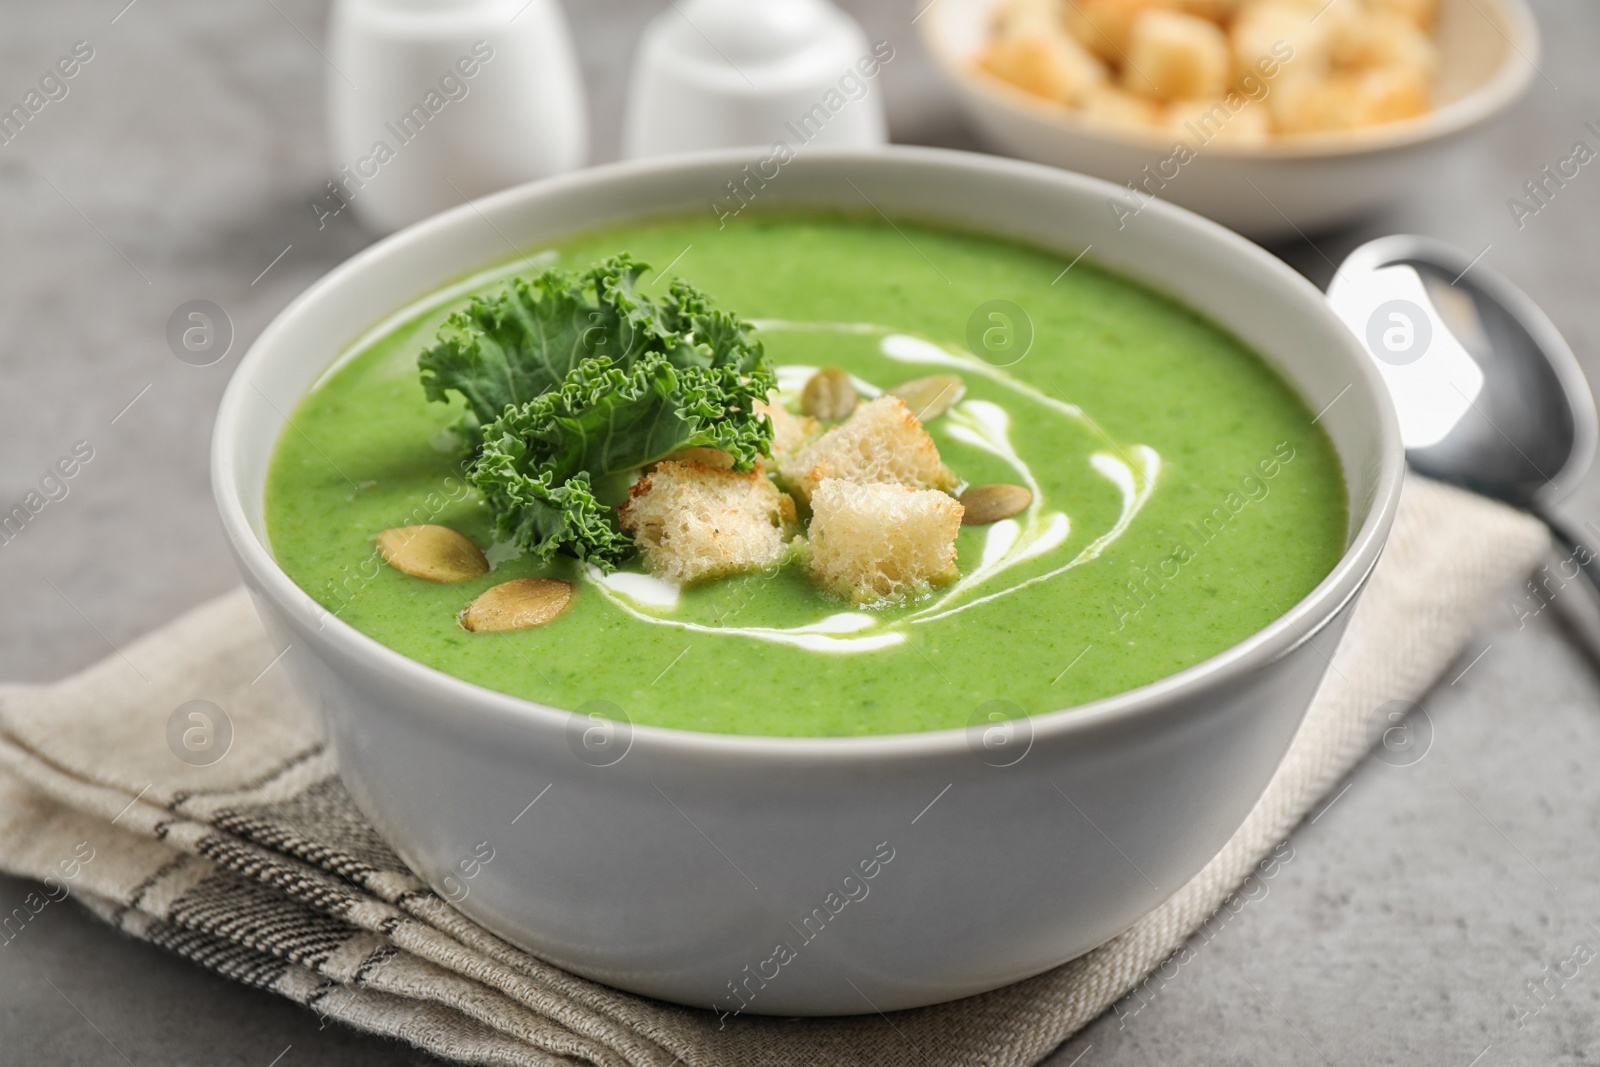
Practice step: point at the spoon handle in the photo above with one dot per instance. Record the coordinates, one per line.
(1576, 553)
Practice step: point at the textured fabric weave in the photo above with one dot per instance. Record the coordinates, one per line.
(260, 868)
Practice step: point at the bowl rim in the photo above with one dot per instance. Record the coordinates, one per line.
(1298, 625)
(1494, 95)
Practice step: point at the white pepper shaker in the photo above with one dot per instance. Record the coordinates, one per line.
(735, 73)
(433, 102)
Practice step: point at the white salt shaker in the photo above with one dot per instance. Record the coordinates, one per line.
(734, 73)
(433, 102)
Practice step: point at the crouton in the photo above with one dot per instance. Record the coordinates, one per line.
(1173, 56)
(1383, 94)
(1024, 18)
(1211, 121)
(875, 544)
(1105, 26)
(1048, 64)
(1301, 105)
(1384, 39)
(693, 521)
(1421, 13)
(1219, 11)
(1348, 100)
(1265, 25)
(881, 441)
(1118, 107)
(789, 432)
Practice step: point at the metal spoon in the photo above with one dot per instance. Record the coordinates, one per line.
(1489, 396)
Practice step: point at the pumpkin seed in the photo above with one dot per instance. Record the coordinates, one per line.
(436, 553)
(711, 457)
(930, 397)
(517, 605)
(829, 394)
(991, 503)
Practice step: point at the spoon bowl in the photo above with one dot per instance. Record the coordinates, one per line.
(1488, 393)
(1525, 433)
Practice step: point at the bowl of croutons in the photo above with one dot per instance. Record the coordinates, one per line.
(1269, 116)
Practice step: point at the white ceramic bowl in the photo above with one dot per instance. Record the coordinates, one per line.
(1489, 51)
(673, 870)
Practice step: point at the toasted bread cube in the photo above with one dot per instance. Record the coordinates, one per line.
(1048, 64)
(874, 544)
(1105, 27)
(881, 441)
(1025, 18)
(1118, 107)
(1384, 39)
(1386, 94)
(1421, 13)
(1282, 35)
(1302, 105)
(1214, 122)
(693, 521)
(1173, 56)
(789, 432)
(1349, 100)
(1218, 11)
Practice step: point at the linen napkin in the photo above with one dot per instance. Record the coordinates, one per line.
(260, 868)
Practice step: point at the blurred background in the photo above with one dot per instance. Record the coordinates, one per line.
(182, 163)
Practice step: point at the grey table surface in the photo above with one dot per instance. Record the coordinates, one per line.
(1420, 902)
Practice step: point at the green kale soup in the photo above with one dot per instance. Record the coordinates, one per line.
(1181, 495)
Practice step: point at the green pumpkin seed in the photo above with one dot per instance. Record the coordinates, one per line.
(435, 553)
(991, 503)
(930, 397)
(517, 605)
(829, 394)
(710, 457)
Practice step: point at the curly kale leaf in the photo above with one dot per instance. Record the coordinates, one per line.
(513, 347)
(575, 382)
(524, 342)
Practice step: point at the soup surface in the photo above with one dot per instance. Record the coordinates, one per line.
(1183, 497)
